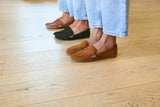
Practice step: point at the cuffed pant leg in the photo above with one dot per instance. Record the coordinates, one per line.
(63, 5)
(70, 7)
(115, 17)
(94, 13)
(79, 8)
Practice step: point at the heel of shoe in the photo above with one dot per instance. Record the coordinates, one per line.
(111, 53)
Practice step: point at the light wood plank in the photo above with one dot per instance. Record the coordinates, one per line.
(2, 61)
(52, 59)
(147, 95)
(37, 72)
(66, 82)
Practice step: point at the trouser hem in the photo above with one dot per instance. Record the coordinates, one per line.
(80, 18)
(95, 26)
(63, 10)
(116, 34)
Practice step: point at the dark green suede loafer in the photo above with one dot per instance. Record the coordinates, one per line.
(68, 35)
(67, 29)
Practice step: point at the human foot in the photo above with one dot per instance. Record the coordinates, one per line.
(95, 37)
(105, 48)
(73, 24)
(62, 22)
(63, 14)
(66, 18)
(79, 26)
(78, 30)
(106, 42)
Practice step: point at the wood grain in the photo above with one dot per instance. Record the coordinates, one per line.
(147, 95)
(2, 61)
(61, 82)
(38, 73)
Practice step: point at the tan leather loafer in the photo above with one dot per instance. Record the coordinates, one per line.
(58, 24)
(77, 48)
(90, 54)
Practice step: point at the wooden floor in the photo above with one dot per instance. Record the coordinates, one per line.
(36, 72)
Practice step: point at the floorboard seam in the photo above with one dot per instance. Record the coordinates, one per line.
(3, 64)
(93, 93)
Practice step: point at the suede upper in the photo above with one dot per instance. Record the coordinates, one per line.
(77, 48)
(90, 54)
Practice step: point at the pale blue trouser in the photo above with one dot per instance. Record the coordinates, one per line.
(76, 8)
(63, 6)
(111, 15)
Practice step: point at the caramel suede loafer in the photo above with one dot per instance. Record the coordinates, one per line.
(67, 34)
(89, 54)
(77, 48)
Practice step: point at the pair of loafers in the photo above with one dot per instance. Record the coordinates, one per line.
(67, 34)
(88, 53)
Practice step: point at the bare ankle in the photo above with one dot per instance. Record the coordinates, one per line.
(96, 36)
(109, 38)
(65, 13)
(83, 23)
(112, 39)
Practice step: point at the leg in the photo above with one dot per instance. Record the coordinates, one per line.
(114, 22)
(95, 20)
(114, 17)
(80, 27)
(63, 6)
(70, 7)
(81, 21)
(94, 17)
(66, 6)
(65, 19)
